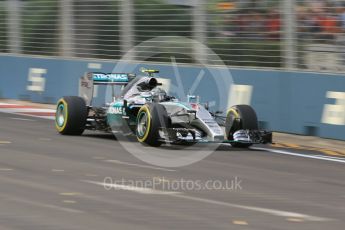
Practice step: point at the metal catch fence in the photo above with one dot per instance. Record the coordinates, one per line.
(282, 34)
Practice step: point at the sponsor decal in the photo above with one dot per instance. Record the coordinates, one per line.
(115, 110)
(334, 114)
(112, 77)
(37, 80)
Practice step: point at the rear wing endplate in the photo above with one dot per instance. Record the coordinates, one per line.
(87, 82)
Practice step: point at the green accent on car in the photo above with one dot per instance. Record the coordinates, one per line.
(184, 105)
(115, 113)
(60, 115)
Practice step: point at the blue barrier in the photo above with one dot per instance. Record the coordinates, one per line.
(292, 102)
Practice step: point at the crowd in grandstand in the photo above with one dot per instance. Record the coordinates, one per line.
(320, 23)
(317, 22)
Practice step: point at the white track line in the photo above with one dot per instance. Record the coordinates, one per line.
(272, 212)
(30, 115)
(284, 152)
(18, 110)
(109, 186)
(1, 103)
(338, 158)
(21, 119)
(27, 110)
(22, 111)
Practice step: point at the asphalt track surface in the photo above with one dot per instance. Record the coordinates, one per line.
(49, 181)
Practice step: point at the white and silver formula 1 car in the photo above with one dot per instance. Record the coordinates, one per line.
(143, 109)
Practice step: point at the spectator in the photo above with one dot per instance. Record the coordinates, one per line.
(341, 38)
(256, 25)
(314, 21)
(302, 22)
(241, 24)
(342, 19)
(328, 27)
(273, 26)
(230, 26)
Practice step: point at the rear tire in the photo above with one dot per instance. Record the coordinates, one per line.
(71, 115)
(150, 118)
(240, 117)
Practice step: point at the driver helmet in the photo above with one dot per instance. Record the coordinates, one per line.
(159, 94)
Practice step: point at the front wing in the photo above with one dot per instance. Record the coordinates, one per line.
(192, 136)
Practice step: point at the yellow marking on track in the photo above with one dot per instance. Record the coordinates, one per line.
(5, 142)
(330, 152)
(240, 222)
(5, 169)
(295, 220)
(69, 201)
(342, 152)
(70, 194)
(58, 170)
(293, 146)
(287, 145)
(277, 145)
(311, 148)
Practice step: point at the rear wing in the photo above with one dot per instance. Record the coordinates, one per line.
(111, 78)
(90, 79)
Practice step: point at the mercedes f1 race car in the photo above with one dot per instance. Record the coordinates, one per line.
(143, 109)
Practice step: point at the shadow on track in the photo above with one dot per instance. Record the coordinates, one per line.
(220, 148)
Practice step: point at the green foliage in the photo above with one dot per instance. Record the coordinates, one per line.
(248, 52)
(156, 18)
(39, 27)
(110, 45)
(97, 34)
(98, 29)
(3, 28)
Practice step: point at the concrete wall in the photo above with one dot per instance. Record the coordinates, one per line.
(292, 102)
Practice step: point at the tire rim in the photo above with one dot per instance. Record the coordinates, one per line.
(60, 115)
(142, 124)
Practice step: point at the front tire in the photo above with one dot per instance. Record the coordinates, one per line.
(71, 115)
(240, 117)
(150, 119)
